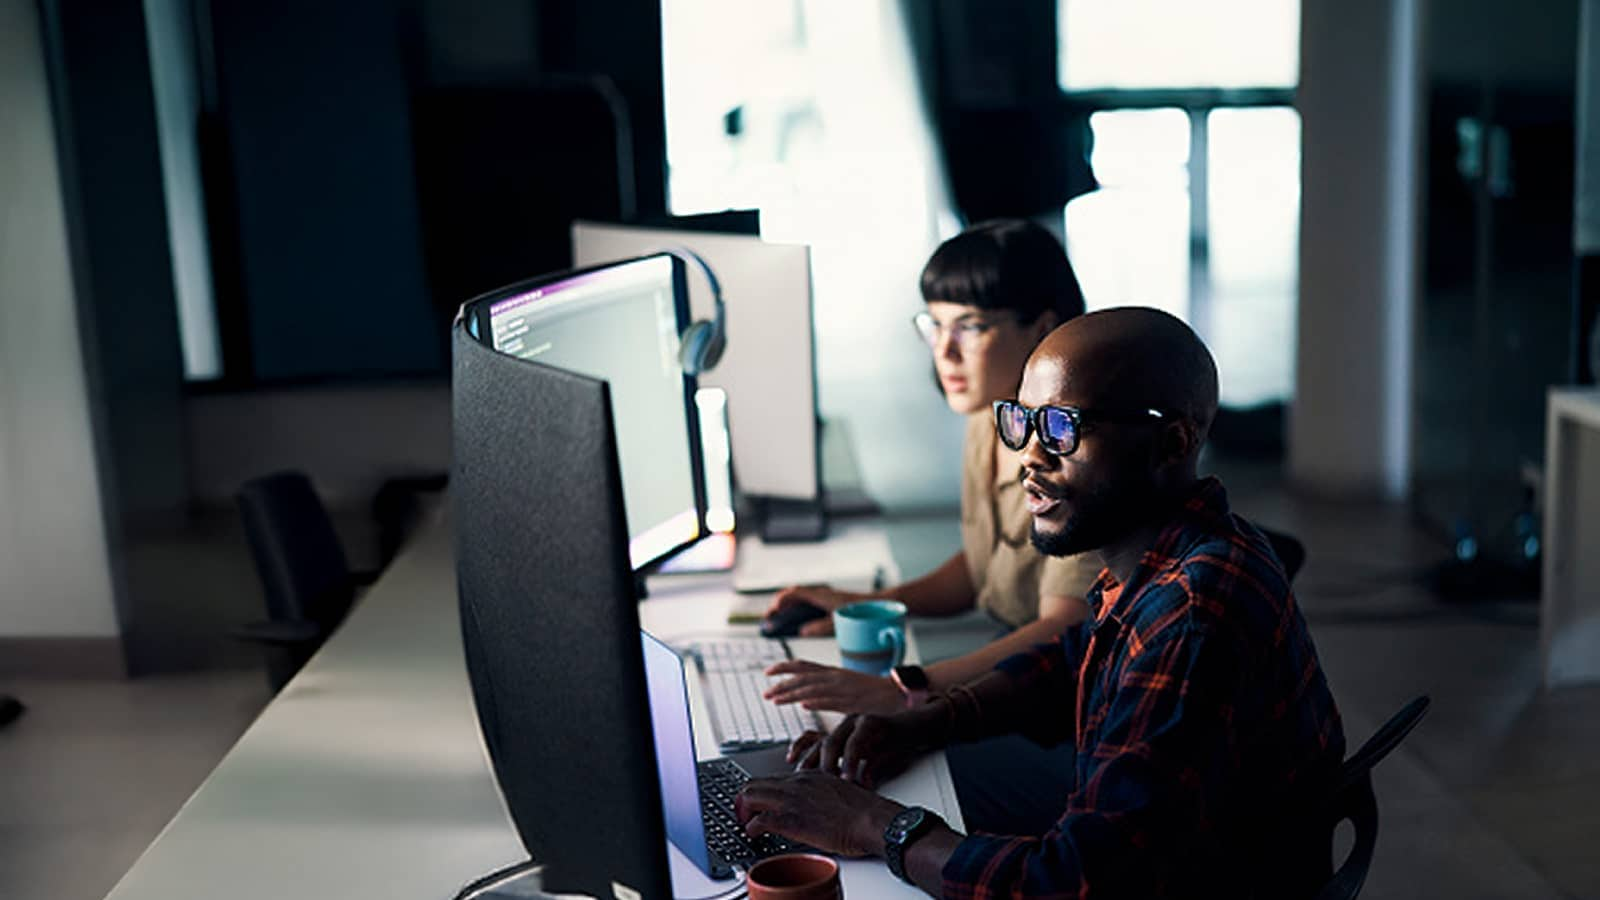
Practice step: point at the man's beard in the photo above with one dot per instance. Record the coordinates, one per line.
(1101, 516)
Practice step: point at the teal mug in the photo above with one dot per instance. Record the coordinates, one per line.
(872, 635)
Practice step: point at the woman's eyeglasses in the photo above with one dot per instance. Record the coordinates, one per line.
(1059, 427)
(965, 332)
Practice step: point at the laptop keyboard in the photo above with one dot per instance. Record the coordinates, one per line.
(732, 670)
(720, 781)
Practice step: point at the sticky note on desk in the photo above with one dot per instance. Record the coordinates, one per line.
(748, 609)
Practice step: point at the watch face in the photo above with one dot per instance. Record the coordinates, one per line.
(906, 822)
(912, 677)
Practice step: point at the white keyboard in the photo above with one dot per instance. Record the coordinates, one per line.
(732, 670)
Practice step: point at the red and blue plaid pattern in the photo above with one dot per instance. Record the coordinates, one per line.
(1206, 732)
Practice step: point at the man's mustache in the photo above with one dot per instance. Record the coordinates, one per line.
(1040, 487)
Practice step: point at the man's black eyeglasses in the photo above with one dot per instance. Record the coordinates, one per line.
(1059, 427)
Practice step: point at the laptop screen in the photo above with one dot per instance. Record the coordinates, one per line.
(673, 727)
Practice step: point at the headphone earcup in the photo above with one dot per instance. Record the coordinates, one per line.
(713, 350)
(700, 348)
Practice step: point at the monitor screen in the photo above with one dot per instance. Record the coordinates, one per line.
(620, 323)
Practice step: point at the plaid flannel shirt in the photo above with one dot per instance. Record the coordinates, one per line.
(1205, 730)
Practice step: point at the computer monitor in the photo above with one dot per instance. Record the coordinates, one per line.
(621, 323)
(550, 621)
(769, 369)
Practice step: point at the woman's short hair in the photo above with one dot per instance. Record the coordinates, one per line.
(1009, 264)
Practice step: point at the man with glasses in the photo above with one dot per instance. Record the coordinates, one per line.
(1206, 732)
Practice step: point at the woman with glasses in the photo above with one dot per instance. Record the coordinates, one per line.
(992, 293)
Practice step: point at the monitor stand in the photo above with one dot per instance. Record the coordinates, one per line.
(792, 521)
(523, 881)
(520, 881)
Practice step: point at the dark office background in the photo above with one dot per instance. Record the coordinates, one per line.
(367, 166)
(362, 167)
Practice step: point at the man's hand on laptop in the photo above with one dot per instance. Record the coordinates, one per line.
(828, 813)
(871, 749)
(816, 686)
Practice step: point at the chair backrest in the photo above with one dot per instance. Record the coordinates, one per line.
(1290, 551)
(1353, 800)
(297, 553)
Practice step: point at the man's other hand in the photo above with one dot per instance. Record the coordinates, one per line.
(871, 749)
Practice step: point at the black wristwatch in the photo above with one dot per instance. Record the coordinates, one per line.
(911, 823)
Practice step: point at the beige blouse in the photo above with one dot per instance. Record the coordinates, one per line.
(1009, 574)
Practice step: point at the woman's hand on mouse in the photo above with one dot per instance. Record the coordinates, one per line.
(820, 595)
(815, 686)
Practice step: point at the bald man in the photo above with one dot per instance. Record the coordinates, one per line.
(1205, 730)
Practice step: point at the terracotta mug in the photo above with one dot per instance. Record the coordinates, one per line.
(795, 876)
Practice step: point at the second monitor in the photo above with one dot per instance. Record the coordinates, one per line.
(768, 370)
(619, 323)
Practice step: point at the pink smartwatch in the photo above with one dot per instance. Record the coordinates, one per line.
(912, 682)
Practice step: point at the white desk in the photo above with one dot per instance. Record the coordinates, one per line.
(367, 777)
(1569, 620)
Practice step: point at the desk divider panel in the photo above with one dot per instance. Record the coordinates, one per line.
(550, 621)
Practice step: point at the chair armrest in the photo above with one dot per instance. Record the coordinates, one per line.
(283, 634)
(365, 578)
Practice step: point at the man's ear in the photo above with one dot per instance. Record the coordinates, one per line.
(1176, 442)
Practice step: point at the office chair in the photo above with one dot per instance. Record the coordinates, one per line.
(1353, 800)
(304, 573)
(396, 507)
(1290, 551)
(10, 709)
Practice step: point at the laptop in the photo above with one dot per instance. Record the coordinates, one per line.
(697, 797)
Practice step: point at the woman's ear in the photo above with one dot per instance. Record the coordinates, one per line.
(1046, 323)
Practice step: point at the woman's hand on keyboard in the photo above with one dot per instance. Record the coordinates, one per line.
(819, 595)
(815, 686)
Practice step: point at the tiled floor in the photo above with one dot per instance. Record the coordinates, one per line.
(1496, 795)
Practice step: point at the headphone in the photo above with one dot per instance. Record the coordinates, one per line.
(702, 343)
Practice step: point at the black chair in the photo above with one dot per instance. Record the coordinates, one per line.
(304, 573)
(10, 709)
(396, 508)
(1290, 551)
(1354, 801)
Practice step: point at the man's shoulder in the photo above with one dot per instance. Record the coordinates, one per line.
(1222, 580)
(1234, 563)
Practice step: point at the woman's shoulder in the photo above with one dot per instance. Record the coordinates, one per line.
(980, 426)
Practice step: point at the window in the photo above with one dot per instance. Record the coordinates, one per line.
(1130, 44)
(1129, 240)
(808, 110)
(1197, 153)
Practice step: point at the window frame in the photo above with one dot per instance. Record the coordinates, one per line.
(1197, 104)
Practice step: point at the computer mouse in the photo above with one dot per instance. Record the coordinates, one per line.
(786, 622)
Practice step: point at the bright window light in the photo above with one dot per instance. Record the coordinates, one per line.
(1107, 44)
